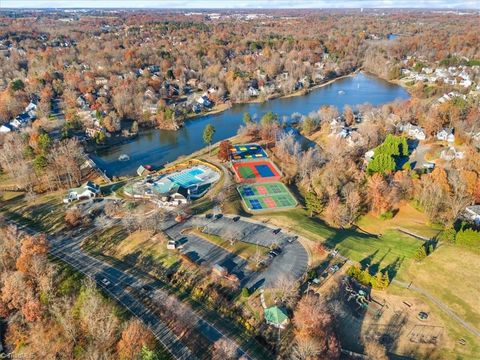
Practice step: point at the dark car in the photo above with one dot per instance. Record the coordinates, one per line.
(276, 231)
(236, 218)
(209, 215)
(218, 216)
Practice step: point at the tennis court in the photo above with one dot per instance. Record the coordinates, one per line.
(266, 196)
(247, 152)
(256, 171)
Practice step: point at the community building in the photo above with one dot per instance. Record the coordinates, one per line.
(176, 188)
(87, 191)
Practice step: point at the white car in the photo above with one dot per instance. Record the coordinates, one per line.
(105, 282)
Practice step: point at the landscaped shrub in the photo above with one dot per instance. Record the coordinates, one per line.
(384, 160)
(245, 292)
(378, 281)
(468, 238)
(387, 215)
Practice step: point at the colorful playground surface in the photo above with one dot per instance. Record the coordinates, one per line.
(266, 196)
(256, 171)
(247, 152)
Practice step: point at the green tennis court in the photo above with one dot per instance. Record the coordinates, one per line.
(266, 196)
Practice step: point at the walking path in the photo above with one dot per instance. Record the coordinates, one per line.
(440, 304)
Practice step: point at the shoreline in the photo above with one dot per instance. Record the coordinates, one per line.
(223, 107)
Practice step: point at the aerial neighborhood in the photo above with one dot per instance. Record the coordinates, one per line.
(244, 183)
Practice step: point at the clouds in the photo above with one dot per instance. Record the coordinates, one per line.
(241, 4)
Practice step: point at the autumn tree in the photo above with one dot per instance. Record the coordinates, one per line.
(224, 150)
(134, 338)
(378, 194)
(314, 324)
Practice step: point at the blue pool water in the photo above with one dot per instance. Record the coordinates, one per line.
(187, 179)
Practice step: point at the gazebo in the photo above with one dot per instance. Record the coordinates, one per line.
(276, 317)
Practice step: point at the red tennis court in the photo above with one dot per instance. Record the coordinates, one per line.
(256, 171)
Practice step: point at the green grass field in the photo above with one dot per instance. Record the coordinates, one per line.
(391, 247)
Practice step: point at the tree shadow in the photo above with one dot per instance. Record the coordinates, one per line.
(392, 269)
(365, 262)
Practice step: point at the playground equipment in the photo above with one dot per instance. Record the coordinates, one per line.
(359, 296)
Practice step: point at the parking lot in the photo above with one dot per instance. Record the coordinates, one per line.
(290, 262)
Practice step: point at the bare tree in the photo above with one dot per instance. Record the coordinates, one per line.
(224, 348)
(287, 289)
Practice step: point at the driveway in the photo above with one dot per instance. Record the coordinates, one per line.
(417, 158)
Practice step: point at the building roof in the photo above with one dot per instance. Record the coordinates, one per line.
(275, 315)
(474, 209)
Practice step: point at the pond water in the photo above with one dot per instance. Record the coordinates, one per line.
(157, 147)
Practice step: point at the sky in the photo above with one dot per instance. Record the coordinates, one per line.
(241, 4)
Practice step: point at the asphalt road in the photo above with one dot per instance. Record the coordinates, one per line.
(68, 249)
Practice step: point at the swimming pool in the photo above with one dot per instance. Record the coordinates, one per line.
(188, 177)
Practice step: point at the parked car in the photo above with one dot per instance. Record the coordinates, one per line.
(236, 218)
(209, 216)
(292, 239)
(333, 269)
(105, 282)
(276, 231)
(218, 216)
(171, 245)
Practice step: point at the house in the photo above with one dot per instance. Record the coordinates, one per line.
(252, 91)
(5, 128)
(276, 317)
(413, 131)
(92, 131)
(446, 135)
(472, 213)
(82, 102)
(88, 191)
(451, 153)
(204, 101)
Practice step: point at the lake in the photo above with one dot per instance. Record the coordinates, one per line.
(157, 147)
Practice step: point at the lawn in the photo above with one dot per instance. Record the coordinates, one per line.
(451, 275)
(44, 213)
(116, 242)
(393, 247)
(407, 218)
(449, 347)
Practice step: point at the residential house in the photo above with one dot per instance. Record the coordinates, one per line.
(276, 317)
(472, 213)
(87, 191)
(253, 91)
(451, 153)
(413, 131)
(446, 134)
(5, 128)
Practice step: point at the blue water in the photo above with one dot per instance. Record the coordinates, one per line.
(157, 147)
(187, 178)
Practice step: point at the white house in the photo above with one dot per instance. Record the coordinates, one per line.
(87, 191)
(413, 131)
(252, 91)
(451, 153)
(472, 213)
(446, 135)
(5, 128)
